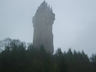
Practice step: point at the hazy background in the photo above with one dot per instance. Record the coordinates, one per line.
(74, 27)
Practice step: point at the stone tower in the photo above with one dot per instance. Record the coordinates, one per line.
(42, 23)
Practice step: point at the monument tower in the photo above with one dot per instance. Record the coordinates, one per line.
(42, 22)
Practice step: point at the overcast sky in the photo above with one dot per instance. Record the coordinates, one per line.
(74, 26)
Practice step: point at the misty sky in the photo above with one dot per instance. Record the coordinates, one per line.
(74, 27)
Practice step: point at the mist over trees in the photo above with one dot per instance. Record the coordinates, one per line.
(17, 57)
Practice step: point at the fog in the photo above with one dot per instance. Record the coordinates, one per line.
(74, 25)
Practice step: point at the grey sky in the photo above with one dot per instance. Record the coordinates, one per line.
(74, 27)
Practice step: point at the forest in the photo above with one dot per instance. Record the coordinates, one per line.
(17, 57)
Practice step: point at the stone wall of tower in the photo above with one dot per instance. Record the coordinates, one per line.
(42, 23)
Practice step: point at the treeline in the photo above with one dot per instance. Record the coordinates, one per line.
(18, 58)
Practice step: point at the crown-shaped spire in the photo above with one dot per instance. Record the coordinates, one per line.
(44, 3)
(44, 7)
